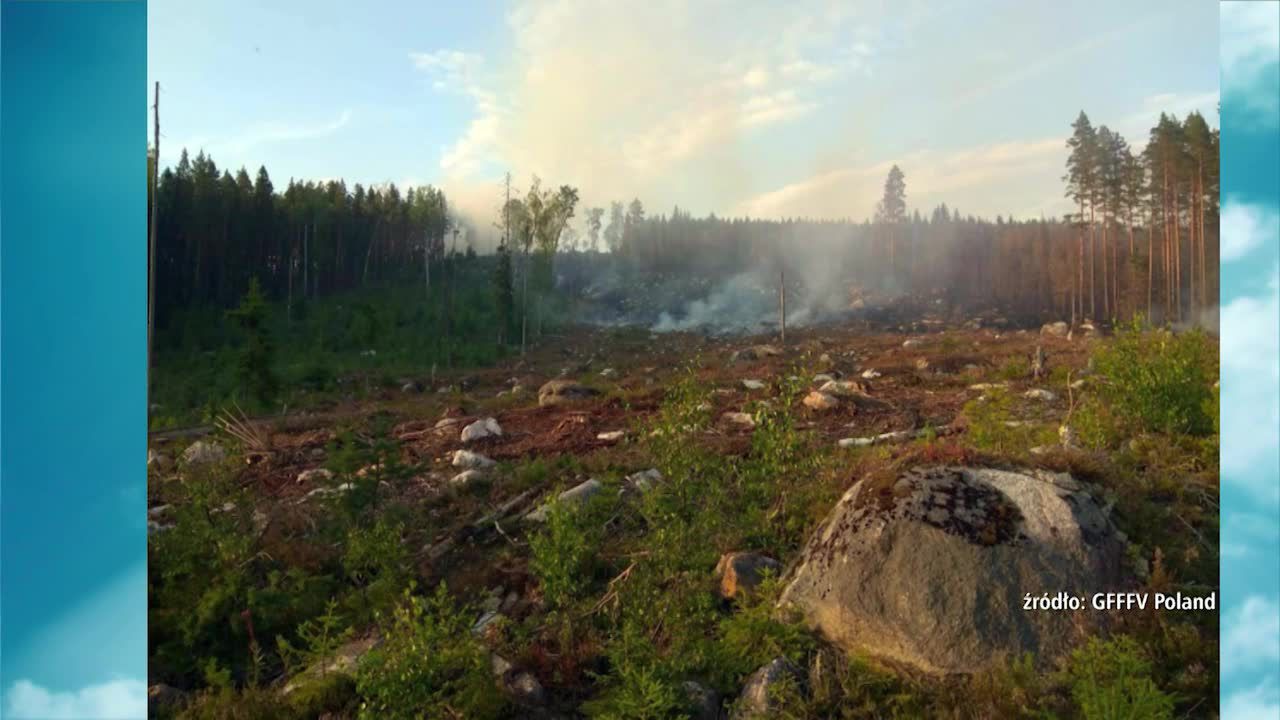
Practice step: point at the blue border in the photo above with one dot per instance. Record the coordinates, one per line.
(1250, 498)
(72, 346)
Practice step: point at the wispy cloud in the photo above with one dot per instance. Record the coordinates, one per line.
(932, 177)
(1251, 387)
(123, 699)
(620, 98)
(1246, 227)
(1250, 33)
(1251, 635)
(242, 146)
(1261, 702)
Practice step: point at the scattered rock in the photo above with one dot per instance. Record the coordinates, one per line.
(842, 388)
(325, 492)
(466, 477)
(757, 352)
(160, 462)
(203, 452)
(740, 418)
(344, 662)
(521, 685)
(559, 392)
(988, 386)
(488, 618)
(856, 442)
(1039, 394)
(703, 701)
(930, 569)
(1077, 384)
(756, 700)
(913, 342)
(823, 378)
(612, 435)
(471, 460)
(480, 429)
(572, 497)
(315, 476)
(752, 384)
(645, 480)
(922, 364)
(608, 373)
(1056, 329)
(446, 423)
(164, 698)
(820, 401)
(411, 387)
(870, 374)
(742, 572)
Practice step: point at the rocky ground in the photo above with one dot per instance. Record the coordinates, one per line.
(479, 456)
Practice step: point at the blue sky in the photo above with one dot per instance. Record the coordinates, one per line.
(770, 109)
(1250, 391)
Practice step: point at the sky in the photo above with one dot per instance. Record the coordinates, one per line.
(737, 108)
(1250, 323)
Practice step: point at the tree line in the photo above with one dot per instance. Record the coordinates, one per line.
(1143, 239)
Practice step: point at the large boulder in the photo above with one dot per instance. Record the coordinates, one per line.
(931, 569)
(480, 429)
(560, 392)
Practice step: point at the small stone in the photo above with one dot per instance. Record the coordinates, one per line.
(466, 477)
(480, 429)
(823, 378)
(612, 435)
(757, 699)
(856, 442)
(913, 342)
(752, 384)
(471, 460)
(315, 476)
(742, 572)
(645, 480)
(203, 452)
(1040, 394)
(740, 418)
(820, 401)
(870, 374)
(572, 497)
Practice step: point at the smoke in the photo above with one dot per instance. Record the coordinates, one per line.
(664, 101)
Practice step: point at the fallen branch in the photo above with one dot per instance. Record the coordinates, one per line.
(485, 523)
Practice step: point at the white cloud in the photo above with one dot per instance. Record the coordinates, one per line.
(78, 649)
(1245, 227)
(1250, 36)
(1251, 388)
(1261, 702)
(115, 700)
(620, 98)
(932, 177)
(1251, 635)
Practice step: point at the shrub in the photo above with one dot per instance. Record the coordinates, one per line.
(254, 371)
(1112, 680)
(429, 665)
(563, 555)
(1158, 381)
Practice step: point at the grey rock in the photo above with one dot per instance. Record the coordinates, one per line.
(888, 576)
(561, 392)
(756, 700)
(203, 452)
(572, 497)
(480, 429)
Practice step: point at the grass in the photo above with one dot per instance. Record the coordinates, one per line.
(622, 603)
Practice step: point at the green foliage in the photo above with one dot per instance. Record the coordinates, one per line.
(376, 563)
(993, 427)
(754, 634)
(1111, 680)
(1158, 381)
(638, 692)
(254, 371)
(319, 638)
(429, 665)
(564, 555)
